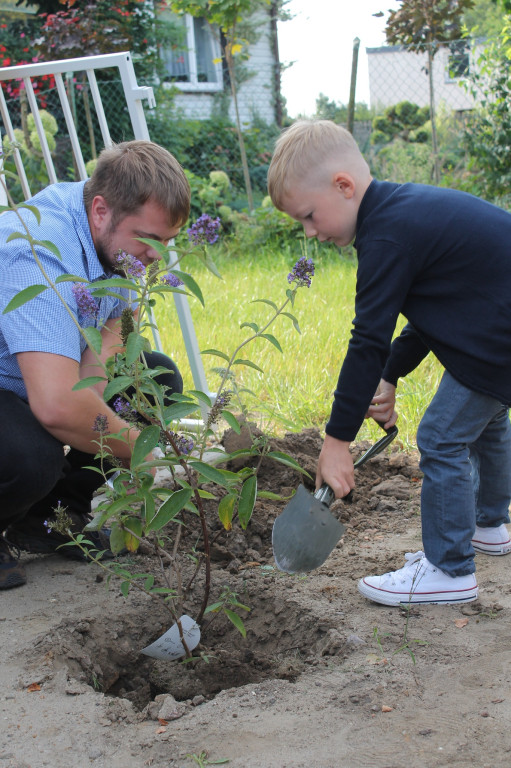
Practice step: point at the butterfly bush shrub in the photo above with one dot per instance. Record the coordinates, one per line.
(139, 508)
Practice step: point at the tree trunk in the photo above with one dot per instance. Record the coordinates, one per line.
(243, 153)
(436, 163)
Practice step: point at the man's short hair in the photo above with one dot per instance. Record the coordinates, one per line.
(304, 146)
(129, 174)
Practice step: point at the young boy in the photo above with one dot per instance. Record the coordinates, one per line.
(441, 258)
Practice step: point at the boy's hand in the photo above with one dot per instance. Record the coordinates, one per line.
(335, 467)
(383, 405)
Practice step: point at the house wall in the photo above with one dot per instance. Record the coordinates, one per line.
(397, 75)
(255, 96)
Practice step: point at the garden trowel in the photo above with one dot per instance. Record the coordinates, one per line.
(306, 532)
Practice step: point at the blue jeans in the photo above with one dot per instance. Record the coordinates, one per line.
(464, 440)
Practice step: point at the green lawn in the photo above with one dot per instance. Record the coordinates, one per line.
(295, 390)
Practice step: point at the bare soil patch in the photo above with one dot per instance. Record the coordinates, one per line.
(324, 678)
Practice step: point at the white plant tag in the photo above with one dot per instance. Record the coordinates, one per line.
(169, 645)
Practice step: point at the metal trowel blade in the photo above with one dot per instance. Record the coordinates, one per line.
(304, 534)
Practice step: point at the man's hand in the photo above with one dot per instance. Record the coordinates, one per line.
(335, 467)
(67, 414)
(382, 408)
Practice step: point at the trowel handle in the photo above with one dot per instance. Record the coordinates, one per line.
(325, 494)
(377, 447)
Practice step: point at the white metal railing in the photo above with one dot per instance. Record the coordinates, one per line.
(134, 95)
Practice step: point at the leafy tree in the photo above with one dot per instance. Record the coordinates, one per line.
(423, 26)
(334, 110)
(230, 17)
(487, 135)
(486, 18)
(404, 120)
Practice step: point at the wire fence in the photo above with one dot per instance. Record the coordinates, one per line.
(396, 74)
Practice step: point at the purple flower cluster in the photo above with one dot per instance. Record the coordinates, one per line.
(172, 280)
(100, 424)
(124, 409)
(224, 399)
(128, 264)
(302, 272)
(86, 303)
(205, 230)
(184, 444)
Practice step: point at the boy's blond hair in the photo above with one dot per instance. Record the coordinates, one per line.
(129, 174)
(304, 148)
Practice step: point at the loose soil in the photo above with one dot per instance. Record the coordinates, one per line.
(324, 678)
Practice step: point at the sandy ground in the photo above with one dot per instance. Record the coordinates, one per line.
(324, 679)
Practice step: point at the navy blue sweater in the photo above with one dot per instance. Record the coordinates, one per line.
(442, 258)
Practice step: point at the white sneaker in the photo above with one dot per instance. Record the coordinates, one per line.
(492, 541)
(418, 582)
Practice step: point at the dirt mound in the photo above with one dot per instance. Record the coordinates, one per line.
(323, 679)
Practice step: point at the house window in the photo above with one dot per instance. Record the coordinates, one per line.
(458, 61)
(194, 64)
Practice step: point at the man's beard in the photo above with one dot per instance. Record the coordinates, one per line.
(105, 255)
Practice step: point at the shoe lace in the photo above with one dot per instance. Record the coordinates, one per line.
(413, 563)
(412, 558)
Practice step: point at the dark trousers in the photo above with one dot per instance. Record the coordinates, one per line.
(35, 475)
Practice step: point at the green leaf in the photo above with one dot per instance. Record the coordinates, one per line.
(254, 326)
(271, 339)
(169, 509)
(94, 338)
(218, 476)
(17, 236)
(202, 396)
(155, 244)
(112, 282)
(190, 284)
(70, 279)
(116, 538)
(247, 501)
(248, 363)
(148, 583)
(32, 209)
(50, 247)
(90, 381)
(232, 421)
(291, 295)
(135, 345)
(178, 411)
(119, 384)
(215, 352)
(272, 496)
(213, 608)
(210, 264)
(266, 301)
(145, 443)
(293, 319)
(125, 588)
(283, 458)
(131, 542)
(97, 521)
(23, 296)
(149, 501)
(236, 620)
(226, 510)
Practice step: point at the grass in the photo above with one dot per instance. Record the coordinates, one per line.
(296, 388)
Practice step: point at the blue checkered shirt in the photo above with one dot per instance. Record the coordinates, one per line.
(43, 323)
